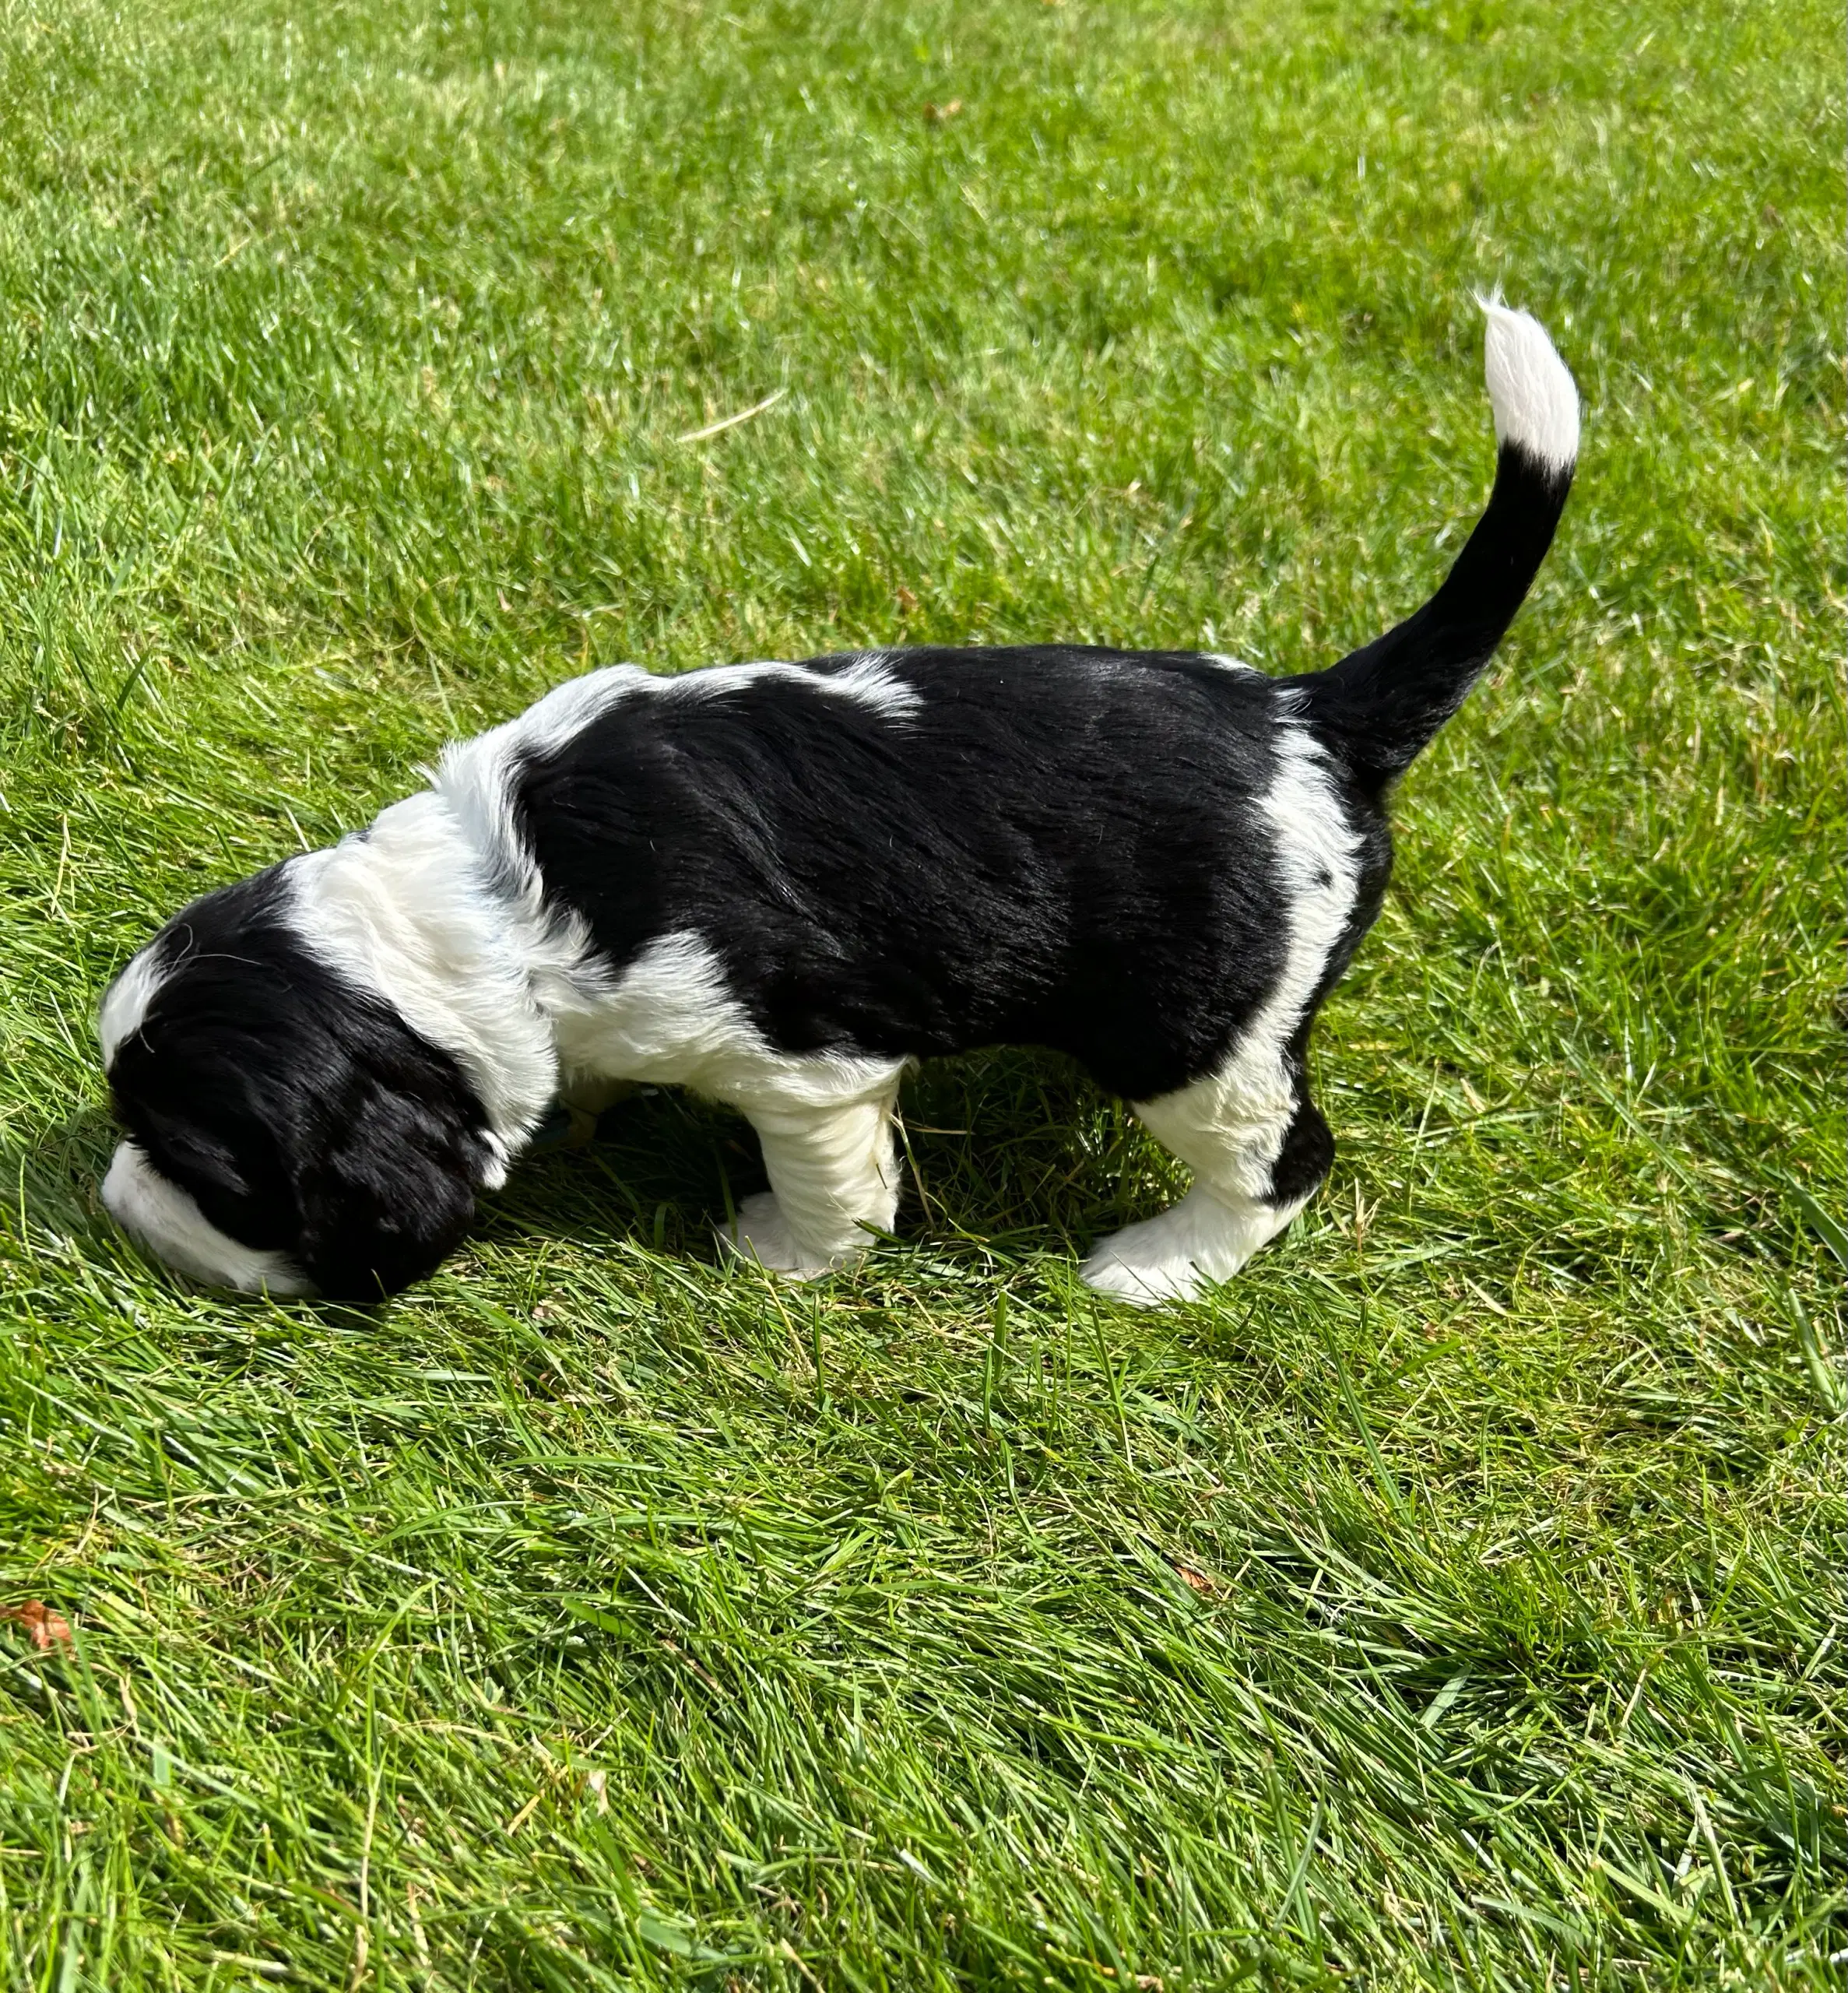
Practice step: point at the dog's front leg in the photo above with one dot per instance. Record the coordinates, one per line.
(833, 1178)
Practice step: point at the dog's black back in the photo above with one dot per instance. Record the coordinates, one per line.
(1054, 845)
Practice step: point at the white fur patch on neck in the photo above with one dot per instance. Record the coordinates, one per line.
(153, 1209)
(1535, 401)
(405, 910)
(125, 1001)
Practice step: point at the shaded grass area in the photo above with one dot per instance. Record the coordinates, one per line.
(1453, 1601)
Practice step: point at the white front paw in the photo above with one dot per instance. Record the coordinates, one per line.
(762, 1233)
(759, 1233)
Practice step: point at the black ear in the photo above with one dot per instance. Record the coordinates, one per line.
(302, 1112)
(185, 1097)
(197, 1157)
(391, 1194)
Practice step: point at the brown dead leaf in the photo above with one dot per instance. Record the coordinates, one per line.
(907, 603)
(690, 1661)
(49, 1628)
(1196, 1580)
(941, 114)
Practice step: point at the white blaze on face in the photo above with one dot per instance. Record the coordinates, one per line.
(155, 1210)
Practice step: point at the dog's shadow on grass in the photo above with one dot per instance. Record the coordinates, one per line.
(661, 1171)
(1011, 1148)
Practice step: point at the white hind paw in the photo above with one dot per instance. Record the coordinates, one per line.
(1176, 1255)
(1139, 1265)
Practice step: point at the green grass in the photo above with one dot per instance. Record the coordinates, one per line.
(1456, 1599)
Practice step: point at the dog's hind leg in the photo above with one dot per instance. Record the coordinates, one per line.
(834, 1181)
(1258, 1147)
(1248, 1131)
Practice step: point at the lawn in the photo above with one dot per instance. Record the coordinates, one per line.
(1456, 1598)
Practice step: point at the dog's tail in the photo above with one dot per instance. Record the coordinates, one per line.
(1379, 705)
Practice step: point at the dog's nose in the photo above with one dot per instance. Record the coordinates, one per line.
(116, 1182)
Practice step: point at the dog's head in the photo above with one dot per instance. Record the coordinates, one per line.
(286, 1129)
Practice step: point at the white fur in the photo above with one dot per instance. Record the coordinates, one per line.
(834, 1175)
(406, 910)
(825, 1122)
(1536, 404)
(1171, 1257)
(671, 1018)
(152, 1208)
(1230, 1127)
(866, 681)
(556, 720)
(125, 1003)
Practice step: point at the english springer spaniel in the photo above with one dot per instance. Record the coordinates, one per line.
(780, 884)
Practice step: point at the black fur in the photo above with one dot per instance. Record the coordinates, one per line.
(303, 1117)
(1058, 848)
(1382, 704)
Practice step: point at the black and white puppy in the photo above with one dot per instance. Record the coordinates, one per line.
(781, 884)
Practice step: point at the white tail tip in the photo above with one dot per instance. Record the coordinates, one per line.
(1536, 404)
